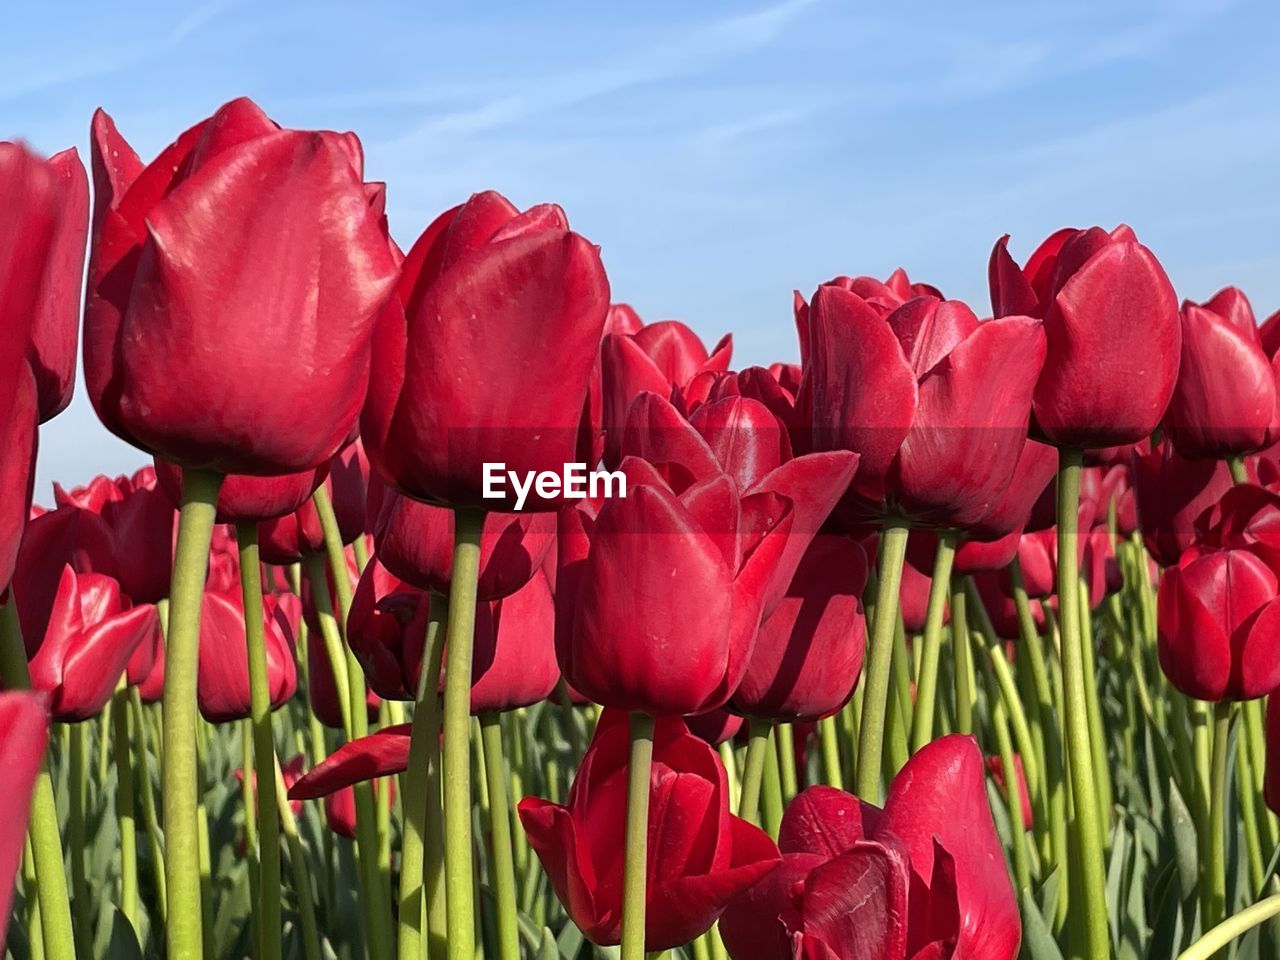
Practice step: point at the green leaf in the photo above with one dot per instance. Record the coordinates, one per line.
(1037, 937)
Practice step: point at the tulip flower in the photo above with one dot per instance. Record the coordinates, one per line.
(29, 197)
(1111, 319)
(383, 753)
(924, 877)
(1170, 492)
(912, 392)
(661, 358)
(700, 855)
(514, 664)
(340, 808)
(808, 654)
(485, 291)
(715, 727)
(55, 318)
(387, 629)
(223, 689)
(79, 641)
(415, 541)
(68, 536)
(1224, 403)
(660, 595)
(280, 218)
(24, 730)
(140, 516)
(322, 689)
(289, 537)
(1219, 626)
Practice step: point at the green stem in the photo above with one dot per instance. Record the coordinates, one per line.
(77, 800)
(1249, 816)
(422, 777)
(179, 779)
(1231, 928)
(893, 550)
(753, 770)
(829, 740)
(962, 663)
(264, 748)
(31, 893)
(503, 878)
(634, 887)
(150, 819)
(124, 809)
(1088, 832)
(1213, 892)
(771, 789)
(1097, 733)
(459, 892)
(784, 733)
(46, 843)
(1239, 473)
(298, 861)
(927, 686)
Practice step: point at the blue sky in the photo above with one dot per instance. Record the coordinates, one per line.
(722, 154)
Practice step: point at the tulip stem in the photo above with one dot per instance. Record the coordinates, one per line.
(771, 788)
(297, 860)
(893, 551)
(753, 769)
(962, 663)
(149, 818)
(46, 843)
(124, 808)
(1213, 891)
(77, 800)
(460, 891)
(420, 781)
(1231, 928)
(264, 748)
(829, 740)
(634, 885)
(1239, 472)
(503, 879)
(1088, 832)
(927, 685)
(179, 775)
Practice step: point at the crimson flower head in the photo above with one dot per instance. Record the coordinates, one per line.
(415, 542)
(1170, 492)
(1224, 404)
(808, 653)
(487, 296)
(923, 878)
(386, 629)
(659, 594)
(1111, 318)
(912, 392)
(248, 499)
(24, 732)
(700, 855)
(223, 688)
(1218, 612)
(80, 639)
(233, 287)
(663, 358)
(139, 517)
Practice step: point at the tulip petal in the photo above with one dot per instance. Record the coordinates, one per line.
(826, 821)
(24, 731)
(380, 754)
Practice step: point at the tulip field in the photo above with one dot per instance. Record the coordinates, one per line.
(460, 613)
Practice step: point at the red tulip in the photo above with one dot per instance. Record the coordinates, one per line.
(67, 536)
(1224, 403)
(1001, 608)
(79, 641)
(924, 878)
(223, 691)
(322, 689)
(386, 629)
(288, 537)
(243, 268)
(808, 654)
(1170, 492)
(139, 517)
(415, 541)
(55, 324)
(29, 198)
(1219, 625)
(659, 596)
(912, 392)
(700, 855)
(1111, 318)
(461, 377)
(715, 727)
(24, 731)
(661, 358)
(514, 662)
(384, 753)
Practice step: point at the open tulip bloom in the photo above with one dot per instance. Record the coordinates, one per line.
(946, 637)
